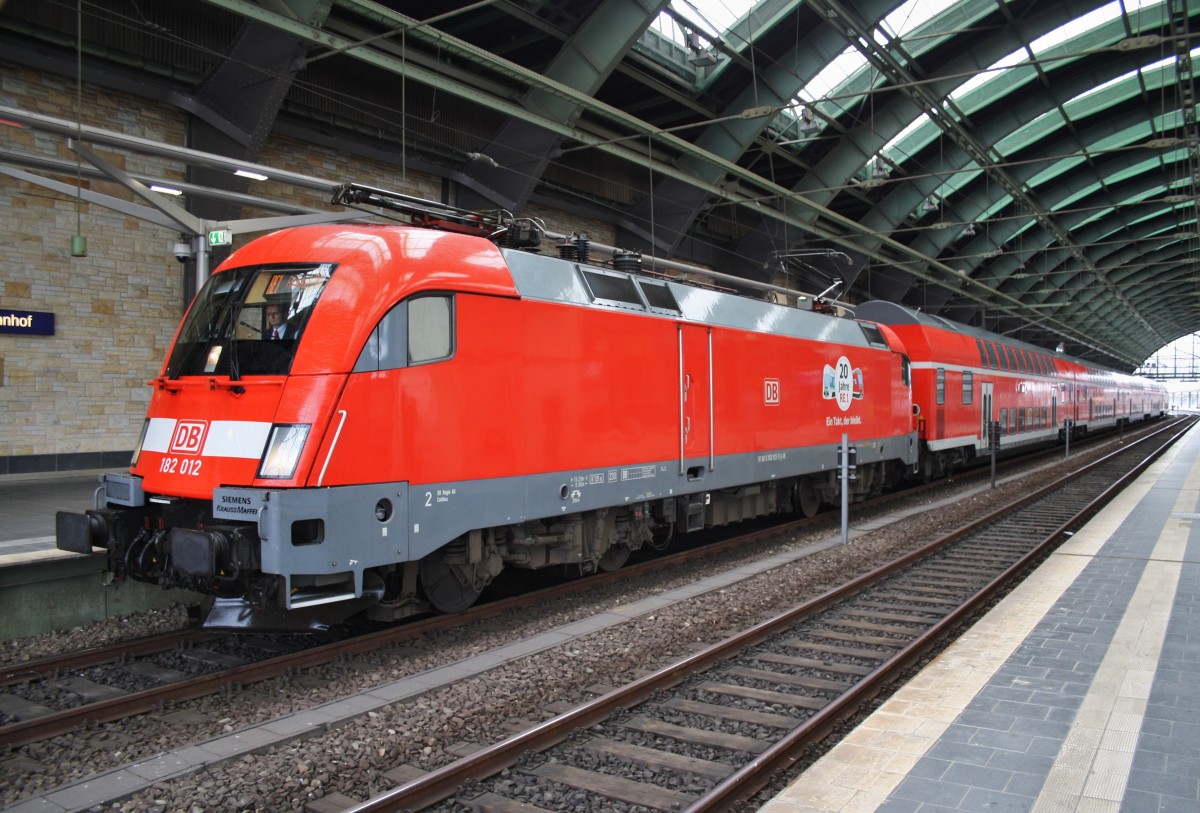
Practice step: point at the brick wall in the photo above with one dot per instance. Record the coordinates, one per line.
(76, 400)
(72, 396)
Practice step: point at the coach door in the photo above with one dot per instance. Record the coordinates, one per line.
(985, 413)
(695, 401)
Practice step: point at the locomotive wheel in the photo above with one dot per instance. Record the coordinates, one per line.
(807, 501)
(444, 586)
(614, 558)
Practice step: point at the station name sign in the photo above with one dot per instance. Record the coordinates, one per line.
(27, 323)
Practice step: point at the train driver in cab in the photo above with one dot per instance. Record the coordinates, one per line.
(277, 324)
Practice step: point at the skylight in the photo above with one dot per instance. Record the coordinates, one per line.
(831, 81)
(1099, 28)
(713, 16)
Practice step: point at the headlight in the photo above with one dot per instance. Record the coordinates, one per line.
(137, 450)
(283, 451)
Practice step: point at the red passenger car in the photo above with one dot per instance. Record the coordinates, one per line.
(965, 379)
(442, 406)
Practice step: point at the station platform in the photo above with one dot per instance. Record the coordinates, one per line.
(44, 589)
(1080, 691)
(27, 508)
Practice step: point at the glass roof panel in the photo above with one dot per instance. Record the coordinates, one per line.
(997, 206)
(835, 75)
(1022, 136)
(919, 24)
(1101, 97)
(1079, 194)
(1099, 28)
(997, 71)
(1102, 212)
(714, 16)
(1056, 169)
(1151, 164)
(1131, 200)
(911, 15)
(960, 179)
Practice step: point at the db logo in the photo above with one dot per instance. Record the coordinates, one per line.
(188, 437)
(771, 391)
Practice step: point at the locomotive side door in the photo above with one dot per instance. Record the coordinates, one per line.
(695, 400)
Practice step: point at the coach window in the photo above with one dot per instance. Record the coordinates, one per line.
(1012, 362)
(1004, 421)
(968, 387)
(1020, 420)
(941, 385)
(991, 352)
(983, 362)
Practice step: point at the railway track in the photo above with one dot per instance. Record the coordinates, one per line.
(52, 696)
(707, 732)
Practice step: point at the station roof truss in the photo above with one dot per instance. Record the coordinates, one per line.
(1028, 167)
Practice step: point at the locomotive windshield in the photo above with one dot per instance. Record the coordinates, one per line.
(248, 321)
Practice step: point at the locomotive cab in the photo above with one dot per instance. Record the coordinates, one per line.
(222, 413)
(247, 322)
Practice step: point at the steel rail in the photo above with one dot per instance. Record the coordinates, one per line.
(61, 722)
(752, 777)
(445, 781)
(23, 672)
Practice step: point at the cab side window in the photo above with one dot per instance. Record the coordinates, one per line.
(415, 331)
(430, 329)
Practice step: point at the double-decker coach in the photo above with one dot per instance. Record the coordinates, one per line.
(965, 379)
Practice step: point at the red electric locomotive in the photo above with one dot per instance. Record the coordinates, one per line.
(382, 417)
(965, 379)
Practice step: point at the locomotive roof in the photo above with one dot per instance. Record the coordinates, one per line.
(550, 278)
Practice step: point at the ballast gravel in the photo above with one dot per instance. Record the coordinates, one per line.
(425, 733)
